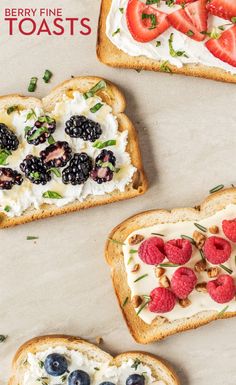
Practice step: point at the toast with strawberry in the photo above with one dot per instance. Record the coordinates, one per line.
(191, 37)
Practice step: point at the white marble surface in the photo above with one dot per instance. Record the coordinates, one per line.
(61, 283)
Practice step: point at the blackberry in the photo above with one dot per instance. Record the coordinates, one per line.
(78, 170)
(56, 155)
(40, 132)
(8, 178)
(35, 170)
(8, 140)
(78, 126)
(104, 168)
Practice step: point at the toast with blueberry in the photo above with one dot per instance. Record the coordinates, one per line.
(73, 149)
(194, 37)
(69, 360)
(175, 270)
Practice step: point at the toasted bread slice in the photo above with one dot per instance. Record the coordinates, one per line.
(159, 370)
(158, 329)
(110, 55)
(112, 96)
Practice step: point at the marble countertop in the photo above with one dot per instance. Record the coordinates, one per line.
(61, 283)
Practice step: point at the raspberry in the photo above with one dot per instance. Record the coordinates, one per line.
(222, 289)
(178, 251)
(162, 300)
(151, 251)
(229, 228)
(183, 282)
(217, 250)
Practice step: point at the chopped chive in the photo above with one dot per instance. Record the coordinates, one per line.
(96, 107)
(168, 265)
(125, 301)
(100, 145)
(47, 76)
(51, 140)
(190, 33)
(52, 195)
(132, 251)
(158, 43)
(130, 260)
(143, 306)
(188, 238)
(31, 238)
(2, 338)
(165, 68)
(136, 363)
(115, 241)
(7, 208)
(115, 32)
(33, 84)
(202, 255)
(11, 109)
(217, 188)
(98, 87)
(221, 313)
(148, 2)
(141, 277)
(152, 17)
(172, 51)
(226, 269)
(121, 10)
(200, 227)
(160, 235)
(55, 171)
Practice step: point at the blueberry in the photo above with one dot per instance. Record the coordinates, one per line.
(79, 377)
(107, 383)
(55, 364)
(135, 379)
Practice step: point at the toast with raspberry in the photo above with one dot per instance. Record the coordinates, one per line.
(190, 19)
(71, 360)
(57, 160)
(175, 270)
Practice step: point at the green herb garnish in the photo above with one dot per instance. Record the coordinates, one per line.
(152, 17)
(233, 19)
(165, 68)
(226, 269)
(63, 378)
(168, 265)
(158, 234)
(36, 133)
(217, 188)
(41, 364)
(3, 338)
(200, 227)
(173, 52)
(188, 238)
(12, 109)
(55, 171)
(47, 76)
(202, 255)
(107, 165)
(141, 277)
(98, 87)
(121, 10)
(52, 195)
(148, 2)
(35, 175)
(221, 313)
(4, 154)
(170, 3)
(115, 32)
(31, 115)
(31, 238)
(96, 107)
(132, 251)
(136, 363)
(51, 140)
(7, 208)
(158, 43)
(190, 33)
(33, 84)
(115, 241)
(125, 301)
(143, 306)
(130, 260)
(101, 145)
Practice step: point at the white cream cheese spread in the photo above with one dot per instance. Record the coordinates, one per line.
(196, 51)
(20, 198)
(199, 301)
(99, 372)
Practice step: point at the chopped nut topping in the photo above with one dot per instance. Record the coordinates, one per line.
(201, 287)
(185, 302)
(164, 281)
(213, 272)
(99, 340)
(159, 271)
(135, 239)
(199, 239)
(136, 301)
(214, 229)
(136, 268)
(200, 266)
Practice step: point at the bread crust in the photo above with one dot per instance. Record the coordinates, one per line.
(110, 55)
(115, 98)
(159, 329)
(158, 366)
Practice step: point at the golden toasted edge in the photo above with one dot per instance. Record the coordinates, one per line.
(110, 55)
(158, 366)
(115, 98)
(142, 332)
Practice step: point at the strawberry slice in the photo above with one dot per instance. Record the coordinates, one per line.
(222, 8)
(197, 12)
(145, 23)
(182, 22)
(224, 48)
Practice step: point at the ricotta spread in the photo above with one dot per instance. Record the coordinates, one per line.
(19, 198)
(99, 372)
(196, 51)
(199, 301)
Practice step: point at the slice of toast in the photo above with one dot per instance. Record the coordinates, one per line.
(159, 328)
(113, 97)
(161, 372)
(110, 55)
